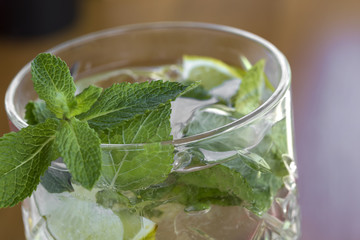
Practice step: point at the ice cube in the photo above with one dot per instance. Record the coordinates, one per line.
(226, 90)
(182, 111)
(209, 117)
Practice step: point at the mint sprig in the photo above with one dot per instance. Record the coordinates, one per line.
(67, 126)
(71, 126)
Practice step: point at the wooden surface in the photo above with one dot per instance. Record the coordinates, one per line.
(321, 39)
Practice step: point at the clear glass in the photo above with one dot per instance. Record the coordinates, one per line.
(265, 132)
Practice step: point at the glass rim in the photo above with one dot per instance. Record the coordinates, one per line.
(277, 95)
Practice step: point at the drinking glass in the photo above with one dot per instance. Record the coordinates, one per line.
(229, 194)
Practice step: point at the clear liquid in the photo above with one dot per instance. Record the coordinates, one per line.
(177, 221)
(217, 222)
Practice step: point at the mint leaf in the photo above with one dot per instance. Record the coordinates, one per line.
(198, 92)
(254, 161)
(29, 113)
(37, 112)
(264, 186)
(132, 167)
(108, 198)
(221, 178)
(273, 146)
(85, 100)
(56, 181)
(53, 83)
(197, 198)
(231, 178)
(247, 65)
(138, 167)
(79, 147)
(124, 101)
(25, 156)
(194, 198)
(249, 95)
(153, 126)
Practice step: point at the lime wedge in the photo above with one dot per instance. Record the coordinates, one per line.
(210, 71)
(136, 227)
(147, 231)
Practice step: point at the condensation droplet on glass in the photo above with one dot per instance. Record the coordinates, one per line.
(181, 160)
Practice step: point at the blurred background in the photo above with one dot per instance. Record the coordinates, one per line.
(321, 40)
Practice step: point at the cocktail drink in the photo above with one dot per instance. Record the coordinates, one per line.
(194, 125)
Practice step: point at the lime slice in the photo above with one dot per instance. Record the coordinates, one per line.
(210, 71)
(77, 216)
